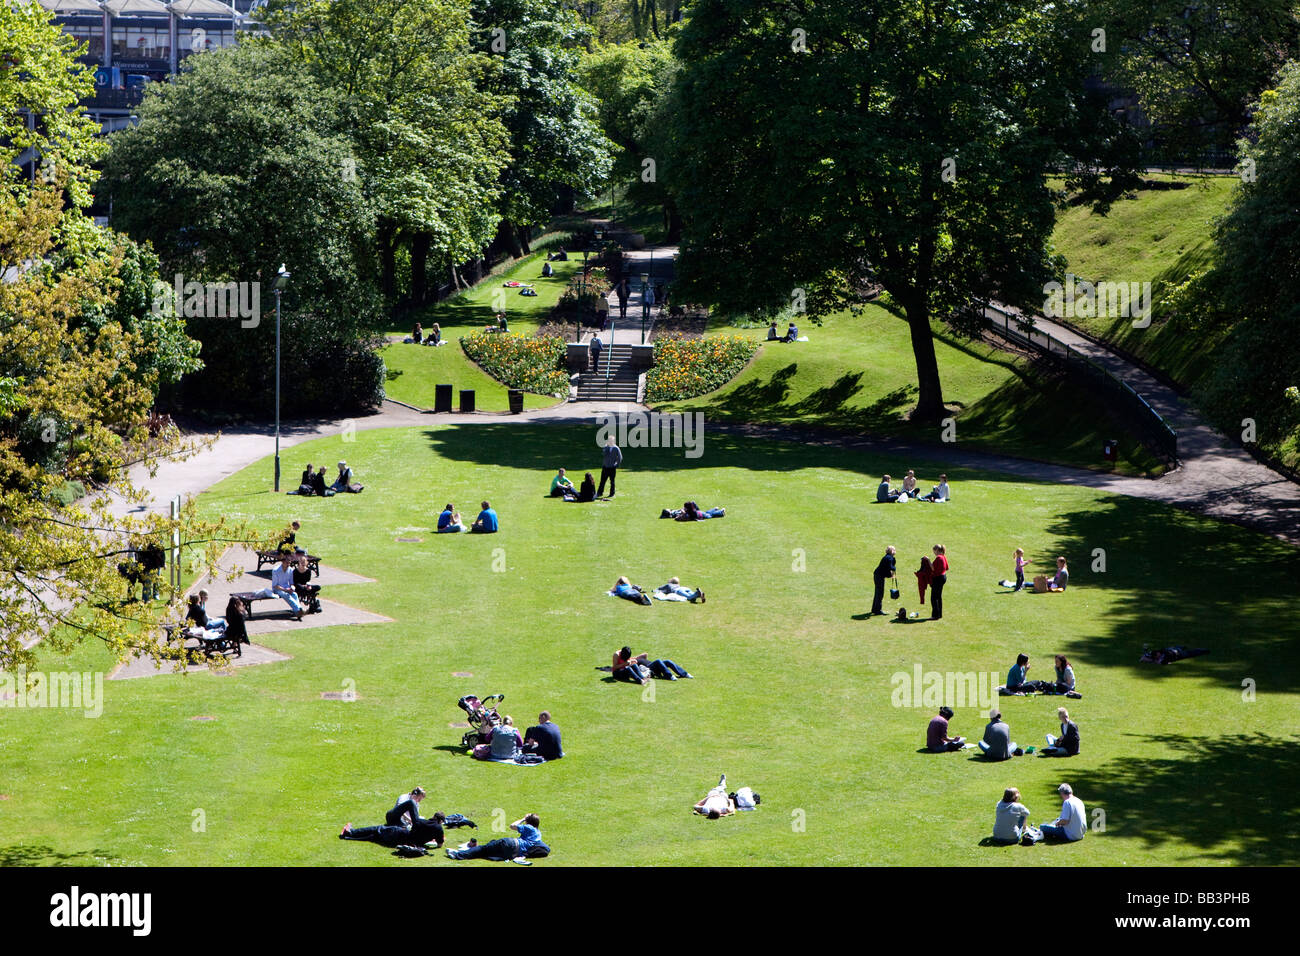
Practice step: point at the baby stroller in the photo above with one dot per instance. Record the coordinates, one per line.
(483, 717)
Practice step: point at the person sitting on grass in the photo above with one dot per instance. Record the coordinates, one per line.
(1064, 675)
(1072, 824)
(505, 741)
(1066, 745)
(717, 802)
(936, 735)
(997, 743)
(562, 487)
(884, 493)
(449, 520)
(1061, 578)
(306, 484)
(435, 335)
(791, 334)
(909, 483)
(629, 592)
(772, 334)
(527, 844)
(1018, 676)
(674, 587)
(587, 491)
(1010, 818)
(639, 669)
(544, 738)
(939, 492)
(318, 487)
(343, 481)
(417, 334)
(486, 522)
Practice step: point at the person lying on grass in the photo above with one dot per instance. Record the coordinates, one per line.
(716, 803)
(527, 844)
(690, 511)
(629, 592)
(673, 589)
(562, 487)
(638, 669)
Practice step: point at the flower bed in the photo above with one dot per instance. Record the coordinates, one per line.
(685, 368)
(533, 364)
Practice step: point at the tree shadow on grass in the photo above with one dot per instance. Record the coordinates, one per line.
(1189, 581)
(1231, 798)
(30, 854)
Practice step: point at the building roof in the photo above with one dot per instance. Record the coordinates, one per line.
(201, 8)
(70, 7)
(119, 7)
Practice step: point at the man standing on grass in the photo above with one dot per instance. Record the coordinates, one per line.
(885, 569)
(611, 458)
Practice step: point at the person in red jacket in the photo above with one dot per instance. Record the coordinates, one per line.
(938, 578)
(923, 577)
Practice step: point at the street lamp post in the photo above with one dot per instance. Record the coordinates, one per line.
(645, 303)
(281, 280)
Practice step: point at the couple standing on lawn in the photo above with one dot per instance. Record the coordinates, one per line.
(936, 579)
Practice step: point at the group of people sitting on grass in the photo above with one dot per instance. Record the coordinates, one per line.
(1056, 583)
(1011, 820)
(313, 482)
(791, 333)
(562, 487)
(690, 511)
(997, 743)
(419, 337)
(1018, 682)
(911, 490)
(504, 744)
(449, 521)
(671, 591)
(639, 668)
(410, 834)
(719, 803)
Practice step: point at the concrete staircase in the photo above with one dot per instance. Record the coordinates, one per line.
(613, 380)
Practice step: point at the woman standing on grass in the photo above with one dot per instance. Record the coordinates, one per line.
(938, 578)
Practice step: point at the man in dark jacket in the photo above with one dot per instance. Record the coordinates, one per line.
(885, 569)
(544, 739)
(611, 458)
(1066, 745)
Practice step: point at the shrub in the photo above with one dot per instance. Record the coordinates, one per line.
(533, 364)
(685, 368)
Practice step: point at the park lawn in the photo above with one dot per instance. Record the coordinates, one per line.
(858, 373)
(794, 694)
(413, 371)
(1161, 236)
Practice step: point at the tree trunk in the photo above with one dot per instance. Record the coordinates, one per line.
(419, 267)
(388, 258)
(525, 239)
(929, 405)
(507, 239)
(673, 220)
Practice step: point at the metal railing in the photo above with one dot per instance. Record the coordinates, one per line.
(1152, 425)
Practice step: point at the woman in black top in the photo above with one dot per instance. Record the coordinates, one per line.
(587, 490)
(235, 630)
(307, 592)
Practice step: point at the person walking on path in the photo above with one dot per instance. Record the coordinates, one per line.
(938, 578)
(885, 569)
(611, 458)
(596, 346)
(622, 292)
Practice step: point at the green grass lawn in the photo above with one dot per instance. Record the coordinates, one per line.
(858, 373)
(414, 371)
(1161, 236)
(794, 692)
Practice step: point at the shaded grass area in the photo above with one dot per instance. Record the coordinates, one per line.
(794, 693)
(1161, 236)
(857, 373)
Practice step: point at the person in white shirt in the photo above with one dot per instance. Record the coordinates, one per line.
(717, 803)
(1072, 824)
(282, 585)
(939, 492)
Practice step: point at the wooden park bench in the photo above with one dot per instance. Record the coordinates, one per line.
(210, 644)
(272, 557)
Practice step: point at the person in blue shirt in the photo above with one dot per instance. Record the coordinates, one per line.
(1018, 674)
(528, 843)
(486, 522)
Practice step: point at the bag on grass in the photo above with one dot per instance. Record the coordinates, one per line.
(1040, 583)
(1030, 836)
(410, 851)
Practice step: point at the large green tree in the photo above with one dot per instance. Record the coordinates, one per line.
(79, 364)
(824, 150)
(556, 145)
(234, 168)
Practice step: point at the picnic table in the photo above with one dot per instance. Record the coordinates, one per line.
(210, 643)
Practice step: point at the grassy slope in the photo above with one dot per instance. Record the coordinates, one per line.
(856, 372)
(413, 372)
(793, 694)
(1161, 236)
